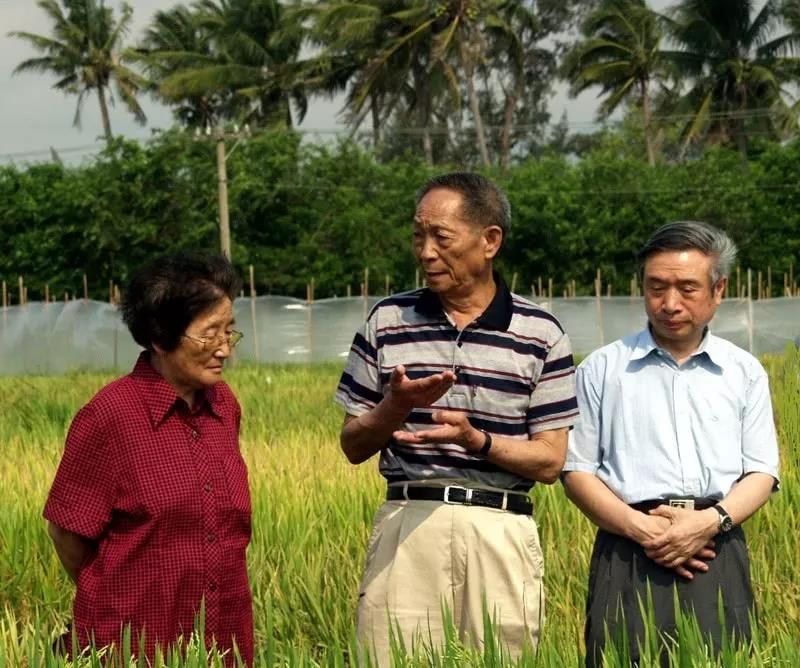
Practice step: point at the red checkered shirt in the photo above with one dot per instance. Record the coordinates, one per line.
(163, 491)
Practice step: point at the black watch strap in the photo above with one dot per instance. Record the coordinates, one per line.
(487, 444)
(725, 521)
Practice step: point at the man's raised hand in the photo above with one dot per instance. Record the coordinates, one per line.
(406, 394)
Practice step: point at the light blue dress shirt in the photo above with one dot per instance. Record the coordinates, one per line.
(651, 429)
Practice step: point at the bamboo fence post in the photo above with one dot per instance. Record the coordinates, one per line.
(760, 294)
(253, 322)
(514, 282)
(416, 278)
(46, 294)
(750, 311)
(791, 274)
(539, 286)
(598, 290)
(85, 288)
(738, 282)
(550, 291)
(769, 281)
(349, 290)
(608, 289)
(21, 284)
(386, 285)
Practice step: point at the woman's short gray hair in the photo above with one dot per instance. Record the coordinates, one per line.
(693, 235)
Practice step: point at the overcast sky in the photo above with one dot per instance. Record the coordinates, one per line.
(34, 117)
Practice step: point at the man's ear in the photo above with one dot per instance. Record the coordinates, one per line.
(719, 289)
(493, 239)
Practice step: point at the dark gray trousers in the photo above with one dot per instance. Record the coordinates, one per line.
(619, 575)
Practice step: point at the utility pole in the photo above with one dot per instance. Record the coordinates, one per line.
(220, 135)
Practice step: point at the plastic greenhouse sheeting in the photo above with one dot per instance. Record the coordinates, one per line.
(40, 338)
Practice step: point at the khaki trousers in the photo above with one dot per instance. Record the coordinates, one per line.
(423, 554)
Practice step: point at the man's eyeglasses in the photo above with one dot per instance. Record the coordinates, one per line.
(232, 338)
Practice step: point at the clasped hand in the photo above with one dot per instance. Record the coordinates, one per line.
(684, 541)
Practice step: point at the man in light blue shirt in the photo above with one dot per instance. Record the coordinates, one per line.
(675, 447)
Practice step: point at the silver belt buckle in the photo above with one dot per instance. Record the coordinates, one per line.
(686, 504)
(467, 492)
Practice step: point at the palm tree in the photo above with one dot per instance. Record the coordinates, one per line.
(173, 42)
(348, 36)
(253, 57)
(84, 50)
(620, 53)
(736, 68)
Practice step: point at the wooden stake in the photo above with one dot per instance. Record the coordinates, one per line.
(85, 288)
(253, 322)
(349, 290)
(769, 281)
(760, 287)
(366, 281)
(738, 282)
(5, 296)
(539, 285)
(313, 289)
(550, 290)
(514, 282)
(386, 286)
(608, 289)
(416, 278)
(21, 290)
(110, 291)
(46, 293)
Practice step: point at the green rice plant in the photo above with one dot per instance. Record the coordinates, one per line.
(312, 513)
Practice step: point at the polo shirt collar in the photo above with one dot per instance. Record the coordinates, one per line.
(709, 347)
(160, 397)
(496, 316)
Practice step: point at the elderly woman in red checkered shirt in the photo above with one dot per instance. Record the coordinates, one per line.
(150, 509)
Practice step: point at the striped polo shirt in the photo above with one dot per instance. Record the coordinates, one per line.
(514, 377)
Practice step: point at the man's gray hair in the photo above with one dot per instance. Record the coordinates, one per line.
(485, 203)
(692, 235)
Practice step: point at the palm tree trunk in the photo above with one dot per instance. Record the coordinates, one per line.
(101, 94)
(424, 105)
(474, 104)
(508, 122)
(377, 138)
(647, 115)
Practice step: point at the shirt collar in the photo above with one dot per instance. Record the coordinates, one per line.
(496, 316)
(709, 347)
(161, 398)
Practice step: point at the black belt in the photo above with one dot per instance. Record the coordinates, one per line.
(688, 502)
(515, 503)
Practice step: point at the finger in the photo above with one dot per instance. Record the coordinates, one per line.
(696, 565)
(706, 553)
(397, 374)
(440, 435)
(448, 417)
(663, 511)
(684, 572)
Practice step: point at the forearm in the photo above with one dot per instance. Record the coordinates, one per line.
(747, 496)
(602, 506)
(535, 459)
(72, 550)
(368, 433)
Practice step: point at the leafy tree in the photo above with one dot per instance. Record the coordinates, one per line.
(735, 67)
(620, 53)
(84, 50)
(252, 58)
(174, 41)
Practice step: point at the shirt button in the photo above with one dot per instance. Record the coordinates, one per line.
(207, 487)
(212, 586)
(211, 537)
(195, 434)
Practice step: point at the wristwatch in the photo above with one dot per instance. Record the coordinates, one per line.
(725, 521)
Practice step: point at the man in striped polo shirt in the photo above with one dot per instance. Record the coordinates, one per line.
(467, 392)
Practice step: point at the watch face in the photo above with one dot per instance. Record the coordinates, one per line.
(726, 524)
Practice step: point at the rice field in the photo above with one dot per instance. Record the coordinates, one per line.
(311, 519)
